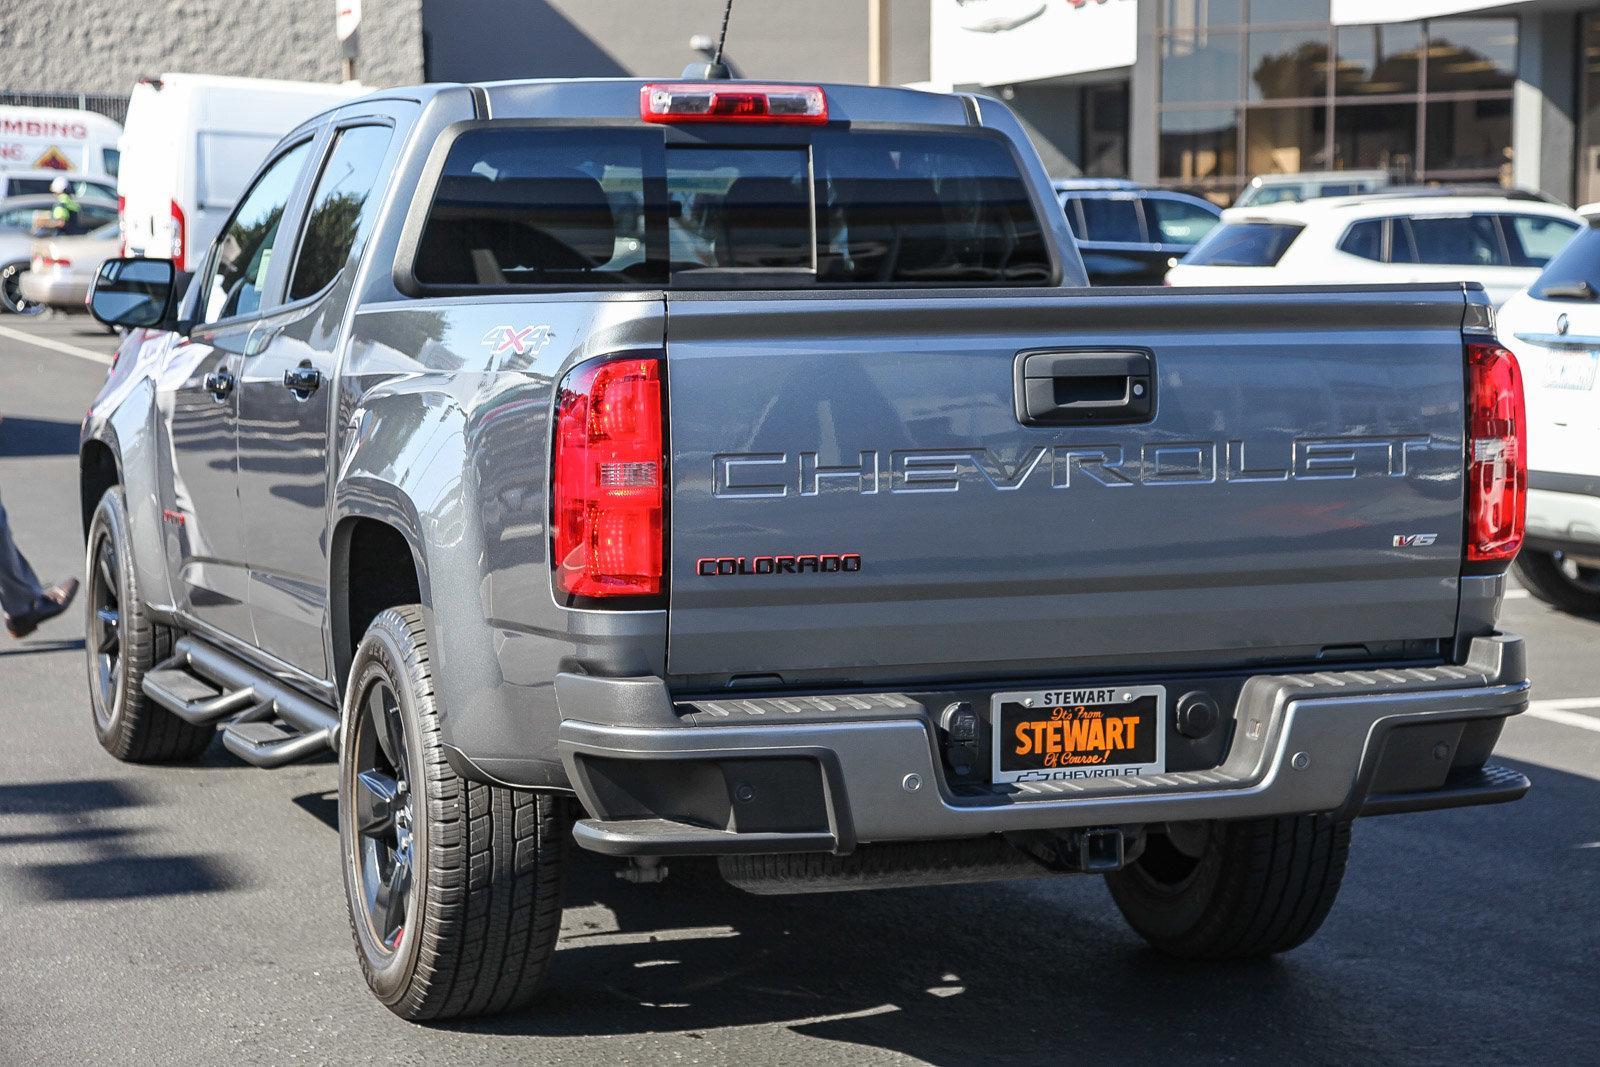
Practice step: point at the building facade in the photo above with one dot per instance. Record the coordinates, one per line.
(1211, 92)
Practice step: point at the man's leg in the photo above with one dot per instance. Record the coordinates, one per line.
(19, 586)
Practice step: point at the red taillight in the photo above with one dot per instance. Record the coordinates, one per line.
(1497, 454)
(42, 263)
(732, 102)
(180, 237)
(606, 528)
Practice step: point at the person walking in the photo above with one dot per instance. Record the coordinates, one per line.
(25, 601)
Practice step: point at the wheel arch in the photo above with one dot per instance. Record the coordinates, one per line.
(99, 469)
(375, 562)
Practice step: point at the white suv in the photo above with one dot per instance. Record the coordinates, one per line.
(1416, 236)
(1554, 329)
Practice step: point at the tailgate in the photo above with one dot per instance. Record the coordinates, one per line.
(854, 495)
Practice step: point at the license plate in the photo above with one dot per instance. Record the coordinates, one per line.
(1069, 735)
(1570, 370)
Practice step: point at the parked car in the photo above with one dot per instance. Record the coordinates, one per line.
(53, 140)
(82, 186)
(1127, 233)
(1268, 189)
(18, 216)
(931, 565)
(1554, 329)
(62, 268)
(192, 141)
(1502, 243)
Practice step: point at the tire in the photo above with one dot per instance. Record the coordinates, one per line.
(122, 642)
(1560, 582)
(455, 904)
(11, 297)
(1234, 890)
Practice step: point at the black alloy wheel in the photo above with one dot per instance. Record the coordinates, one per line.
(384, 816)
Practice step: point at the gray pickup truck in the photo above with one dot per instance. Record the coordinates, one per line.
(744, 471)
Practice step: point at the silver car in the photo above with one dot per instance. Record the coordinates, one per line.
(62, 268)
(19, 216)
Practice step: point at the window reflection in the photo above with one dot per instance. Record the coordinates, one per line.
(1472, 54)
(1378, 59)
(1469, 135)
(1283, 140)
(1286, 64)
(1375, 137)
(1288, 11)
(1201, 66)
(1200, 14)
(1198, 145)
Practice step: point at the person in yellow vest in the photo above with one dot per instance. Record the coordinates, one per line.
(66, 215)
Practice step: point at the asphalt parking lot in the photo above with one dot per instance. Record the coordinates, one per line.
(194, 914)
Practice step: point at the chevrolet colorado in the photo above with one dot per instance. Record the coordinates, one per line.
(744, 471)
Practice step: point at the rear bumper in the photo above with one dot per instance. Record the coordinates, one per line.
(54, 290)
(822, 774)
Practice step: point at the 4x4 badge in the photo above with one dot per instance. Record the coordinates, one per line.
(519, 342)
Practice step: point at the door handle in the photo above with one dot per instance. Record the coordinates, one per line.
(219, 383)
(1085, 387)
(303, 380)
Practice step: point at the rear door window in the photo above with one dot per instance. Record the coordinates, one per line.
(1069, 205)
(521, 206)
(1454, 240)
(1244, 244)
(1364, 239)
(1535, 240)
(1177, 222)
(1112, 220)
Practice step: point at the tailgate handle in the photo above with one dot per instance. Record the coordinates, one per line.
(1067, 388)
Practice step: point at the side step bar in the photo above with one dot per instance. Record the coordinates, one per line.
(202, 684)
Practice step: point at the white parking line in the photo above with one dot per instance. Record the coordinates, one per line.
(1565, 712)
(1517, 594)
(56, 346)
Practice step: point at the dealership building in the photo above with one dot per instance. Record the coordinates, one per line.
(1203, 94)
(1197, 94)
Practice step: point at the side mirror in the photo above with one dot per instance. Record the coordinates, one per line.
(133, 292)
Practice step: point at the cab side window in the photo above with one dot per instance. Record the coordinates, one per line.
(341, 207)
(1177, 222)
(1114, 220)
(242, 257)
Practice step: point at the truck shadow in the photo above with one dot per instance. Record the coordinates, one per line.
(28, 437)
(1045, 969)
(73, 841)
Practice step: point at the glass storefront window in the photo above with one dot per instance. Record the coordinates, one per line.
(1283, 140)
(1201, 14)
(1472, 55)
(1288, 64)
(1589, 127)
(1375, 137)
(1426, 100)
(1200, 145)
(1378, 59)
(1201, 66)
(1472, 135)
(1288, 11)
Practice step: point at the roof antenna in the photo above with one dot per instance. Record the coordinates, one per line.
(715, 69)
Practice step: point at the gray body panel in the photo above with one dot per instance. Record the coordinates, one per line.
(1251, 519)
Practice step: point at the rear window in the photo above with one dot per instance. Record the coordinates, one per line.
(516, 206)
(1578, 262)
(1535, 240)
(1244, 244)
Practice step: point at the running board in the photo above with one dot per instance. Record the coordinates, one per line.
(201, 684)
(262, 744)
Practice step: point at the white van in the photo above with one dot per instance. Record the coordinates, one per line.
(38, 141)
(192, 142)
